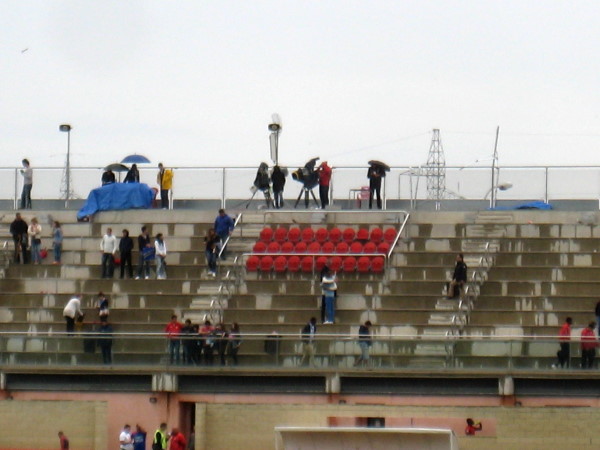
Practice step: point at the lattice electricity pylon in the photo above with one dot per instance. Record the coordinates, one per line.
(435, 169)
(63, 185)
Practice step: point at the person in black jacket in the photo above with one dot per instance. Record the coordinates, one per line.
(278, 180)
(125, 249)
(133, 175)
(18, 230)
(459, 277)
(108, 177)
(308, 342)
(144, 242)
(375, 174)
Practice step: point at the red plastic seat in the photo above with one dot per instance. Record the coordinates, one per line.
(321, 235)
(266, 263)
(349, 264)
(321, 262)
(363, 264)
(389, 235)
(287, 247)
(293, 264)
(342, 247)
(252, 263)
(348, 235)
(377, 235)
(273, 247)
(306, 264)
(369, 247)
(356, 247)
(308, 235)
(362, 234)
(314, 247)
(335, 263)
(383, 247)
(266, 234)
(281, 235)
(259, 247)
(294, 235)
(328, 247)
(280, 264)
(335, 235)
(300, 247)
(377, 264)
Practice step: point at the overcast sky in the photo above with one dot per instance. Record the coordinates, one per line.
(195, 82)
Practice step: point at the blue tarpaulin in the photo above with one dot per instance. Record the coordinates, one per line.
(117, 196)
(530, 205)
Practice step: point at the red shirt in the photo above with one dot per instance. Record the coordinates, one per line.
(173, 329)
(565, 332)
(588, 339)
(178, 442)
(471, 429)
(324, 175)
(64, 443)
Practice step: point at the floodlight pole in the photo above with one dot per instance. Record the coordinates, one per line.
(67, 128)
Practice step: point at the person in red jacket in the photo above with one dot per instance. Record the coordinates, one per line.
(324, 172)
(588, 346)
(564, 336)
(178, 441)
(472, 427)
(173, 330)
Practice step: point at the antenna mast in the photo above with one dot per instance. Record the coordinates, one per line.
(435, 170)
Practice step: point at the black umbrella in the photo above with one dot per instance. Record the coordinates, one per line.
(374, 162)
(117, 167)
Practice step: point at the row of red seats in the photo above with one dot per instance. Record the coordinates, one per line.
(316, 247)
(322, 235)
(362, 264)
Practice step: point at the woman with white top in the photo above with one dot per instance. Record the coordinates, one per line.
(160, 248)
(34, 231)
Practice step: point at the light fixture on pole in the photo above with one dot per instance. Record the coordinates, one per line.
(275, 128)
(67, 176)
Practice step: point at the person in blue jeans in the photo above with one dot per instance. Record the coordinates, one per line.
(223, 227)
(57, 240)
(329, 288)
(35, 236)
(365, 342)
(212, 249)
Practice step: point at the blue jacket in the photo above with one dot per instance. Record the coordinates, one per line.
(223, 225)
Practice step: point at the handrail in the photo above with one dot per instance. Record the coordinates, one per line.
(400, 231)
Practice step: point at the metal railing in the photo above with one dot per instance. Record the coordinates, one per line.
(333, 351)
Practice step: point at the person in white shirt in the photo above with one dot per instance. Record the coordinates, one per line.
(125, 441)
(27, 173)
(108, 247)
(71, 312)
(35, 240)
(160, 248)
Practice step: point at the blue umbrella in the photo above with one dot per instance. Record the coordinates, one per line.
(135, 159)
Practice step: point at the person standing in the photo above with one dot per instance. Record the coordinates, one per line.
(159, 442)
(71, 312)
(18, 230)
(160, 250)
(375, 174)
(108, 247)
(105, 342)
(64, 441)
(365, 342)
(125, 441)
(146, 254)
(133, 175)
(173, 330)
(324, 172)
(597, 312)
(564, 336)
(125, 249)
(308, 342)
(223, 227)
(139, 438)
(188, 333)
(27, 173)
(459, 277)
(211, 241)
(221, 338)
(235, 341)
(588, 346)
(34, 231)
(206, 334)
(57, 240)
(278, 180)
(164, 179)
(102, 307)
(329, 287)
(177, 440)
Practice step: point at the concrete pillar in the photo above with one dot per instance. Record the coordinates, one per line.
(506, 386)
(164, 382)
(2, 381)
(201, 441)
(333, 384)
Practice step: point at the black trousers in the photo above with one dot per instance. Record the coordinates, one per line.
(324, 196)
(70, 324)
(564, 354)
(126, 260)
(587, 358)
(375, 189)
(164, 198)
